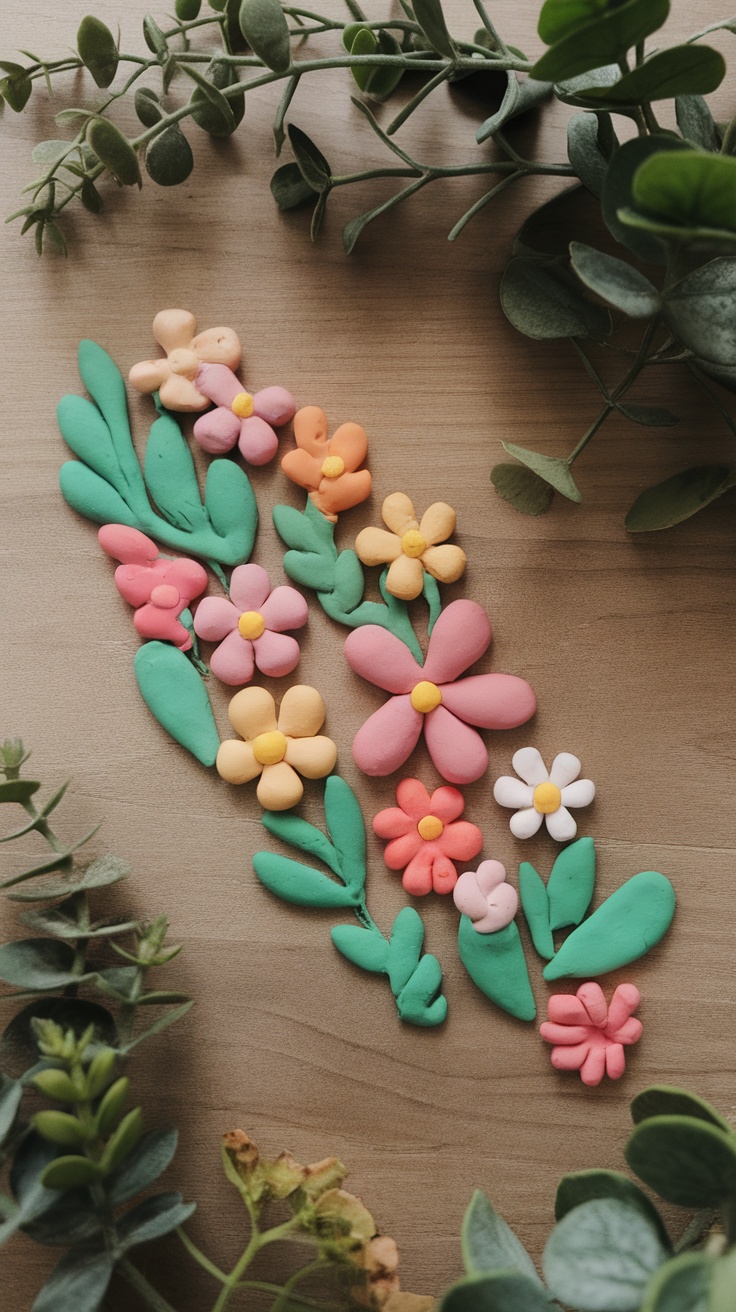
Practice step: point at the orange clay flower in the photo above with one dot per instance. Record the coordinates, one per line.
(411, 546)
(174, 377)
(275, 751)
(328, 469)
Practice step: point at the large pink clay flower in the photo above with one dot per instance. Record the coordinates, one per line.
(160, 589)
(250, 627)
(431, 698)
(590, 1036)
(243, 417)
(427, 837)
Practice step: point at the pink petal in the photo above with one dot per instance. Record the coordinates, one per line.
(444, 874)
(566, 1009)
(249, 587)
(215, 617)
(393, 823)
(503, 904)
(461, 841)
(457, 750)
(257, 442)
(187, 575)
(414, 799)
(127, 544)
(468, 897)
(628, 1033)
(594, 1067)
(135, 583)
(217, 431)
(385, 741)
(403, 850)
(232, 662)
(417, 878)
(489, 875)
(275, 405)
(447, 804)
(383, 659)
(460, 636)
(593, 999)
(568, 1059)
(624, 1002)
(284, 609)
(564, 1034)
(277, 654)
(153, 622)
(491, 701)
(218, 383)
(615, 1061)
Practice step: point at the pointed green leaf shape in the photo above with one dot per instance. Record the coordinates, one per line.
(38, 964)
(264, 26)
(679, 71)
(561, 17)
(97, 50)
(586, 150)
(383, 81)
(701, 309)
(696, 124)
(543, 300)
(364, 947)
(679, 497)
(626, 926)
(289, 188)
(495, 962)
(114, 151)
(218, 115)
(148, 1160)
(310, 569)
(11, 1092)
(153, 1218)
(668, 1100)
(601, 1256)
(169, 158)
(101, 873)
(85, 431)
(522, 488)
(303, 885)
(615, 281)
(584, 1186)
(604, 40)
(689, 188)
(170, 475)
(420, 1001)
(295, 529)
(618, 192)
(69, 1172)
(535, 904)
(653, 416)
(299, 833)
(407, 937)
(498, 1291)
(93, 496)
(176, 695)
(518, 99)
(431, 19)
(230, 503)
(554, 471)
(348, 581)
(148, 107)
(313, 166)
(80, 1281)
(682, 1285)
(18, 790)
(489, 1244)
(685, 1161)
(571, 884)
(361, 42)
(346, 829)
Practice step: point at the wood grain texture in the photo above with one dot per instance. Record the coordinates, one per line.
(628, 643)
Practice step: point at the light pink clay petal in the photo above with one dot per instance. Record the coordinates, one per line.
(491, 701)
(383, 659)
(624, 1002)
(277, 654)
(468, 897)
(275, 405)
(258, 442)
(457, 750)
(249, 587)
(385, 741)
(503, 904)
(215, 618)
(489, 875)
(615, 1061)
(593, 999)
(232, 662)
(284, 609)
(218, 383)
(459, 638)
(217, 431)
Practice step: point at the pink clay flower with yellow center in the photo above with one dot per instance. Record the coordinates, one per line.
(485, 898)
(411, 546)
(159, 588)
(427, 837)
(250, 627)
(589, 1036)
(239, 416)
(173, 377)
(277, 751)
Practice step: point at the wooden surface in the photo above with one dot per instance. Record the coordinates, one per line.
(628, 643)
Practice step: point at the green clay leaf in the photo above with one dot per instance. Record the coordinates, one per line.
(696, 124)
(364, 947)
(523, 489)
(407, 937)
(264, 26)
(584, 1186)
(299, 833)
(98, 50)
(679, 497)
(679, 71)
(667, 1100)
(85, 431)
(310, 569)
(489, 1244)
(216, 114)
(303, 885)
(543, 300)
(589, 150)
(553, 470)
(688, 188)
(92, 496)
(312, 164)
(230, 503)
(420, 1001)
(701, 309)
(685, 1161)
(618, 193)
(349, 583)
(431, 19)
(495, 962)
(683, 1285)
(170, 475)
(346, 829)
(604, 40)
(602, 1254)
(535, 904)
(80, 1281)
(175, 694)
(615, 281)
(625, 927)
(114, 151)
(571, 884)
(497, 1291)
(289, 188)
(169, 158)
(518, 99)
(295, 529)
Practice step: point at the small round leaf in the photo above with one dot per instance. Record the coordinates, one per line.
(169, 158)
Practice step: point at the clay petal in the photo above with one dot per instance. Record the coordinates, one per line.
(179, 393)
(565, 768)
(445, 563)
(277, 654)
(350, 443)
(385, 741)
(302, 468)
(382, 659)
(174, 328)
(148, 376)
(567, 1009)
(285, 608)
(375, 546)
(236, 763)
(417, 878)
(310, 430)
(402, 850)
(215, 618)
(503, 904)
(509, 791)
(624, 1002)
(460, 636)
(252, 711)
(217, 431)
(414, 799)
(135, 583)
(563, 1034)
(258, 442)
(457, 750)
(126, 544)
(336, 494)
(525, 823)
(628, 1033)
(279, 787)
(232, 662)
(218, 383)
(461, 841)
(398, 513)
(593, 999)
(275, 405)
(249, 587)
(187, 576)
(489, 875)
(569, 1059)
(444, 874)
(594, 1067)
(155, 622)
(437, 523)
(312, 757)
(468, 897)
(491, 701)
(302, 712)
(529, 766)
(579, 793)
(446, 803)
(405, 578)
(615, 1061)
(394, 823)
(561, 825)
(218, 346)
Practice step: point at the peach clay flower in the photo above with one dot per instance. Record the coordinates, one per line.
(174, 377)
(589, 1036)
(485, 898)
(411, 547)
(159, 588)
(328, 469)
(277, 750)
(427, 837)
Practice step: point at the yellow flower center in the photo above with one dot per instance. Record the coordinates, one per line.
(430, 827)
(251, 624)
(425, 696)
(269, 748)
(547, 798)
(333, 467)
(242, 406)
(413, 544)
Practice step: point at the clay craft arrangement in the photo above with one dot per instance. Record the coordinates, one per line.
(433, 695)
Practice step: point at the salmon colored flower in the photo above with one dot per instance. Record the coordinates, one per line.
(159, 588)
(485, 898)
(277, 750)
(411, 546)
(174, 377)
(590, 1036)
(250, 627)
(328, 469)
(240, 417)
(427, 837)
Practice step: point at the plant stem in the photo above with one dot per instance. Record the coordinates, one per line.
(151, 1297)
(200, 1257)
(618, 392)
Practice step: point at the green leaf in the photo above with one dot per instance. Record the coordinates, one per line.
(101, 873)
(688, 188)
(289, 189)
(53, 862)
(364, 947)
(543, 300)
(310, 569)
(623, 928)
(122, 1140)
(148, 107)
(264, 26)
(346, 829)
(295, 529)
(38, 963)
(176, 695)
(312, 164)
(383, 81)
(153, 1218)
(652, 416)
(90, 197)
(431, 19)
(187, 10)
(169, 158)
(679, 497)
(535, 904)
(523, 490)
(163, 1022)
(18, 790)
(615, 281)
(98, 50)
(361, 41)
(71, 1172)
(695, 122)
(16, 89)
(80, 1281)
(590, 147)
(420, 1002)
(716, 1293)
(92, 496)
(667, 1100)
(303, 885)
(502, 1291)
(701, 309)
(299, 833)
(584, 1186)
(601, 1256)
(170, 474)
(553, 470)
(215, 113)
(519, 97)
(679, 71)
(489, 1244)
(61, 1128)
(496, 963)
(11, 1092)
(151, 1156)
(63, 921)
(407, 937)
(349, 582)
(686, 1161)
(681, 1285)
(618, 192)
(48, 152)
(214, 97)
(57, 1085)
(114, 151)
(604, 40)
(571, 884)
(561, 17)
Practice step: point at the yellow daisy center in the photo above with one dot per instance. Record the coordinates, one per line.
(430, 827)
(333, 467)
(269, 748)
(547, 798)
(413, 544)
(251, 624)
(242, 406)
(425, 696)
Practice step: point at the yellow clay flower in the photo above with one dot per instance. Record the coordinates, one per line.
(412, 546)
(277, 750)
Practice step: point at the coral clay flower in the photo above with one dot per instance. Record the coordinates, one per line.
(239, 416)
(544, 795)
(250, 626)
(328, 469)
(160, 589)
(174, 377)
(432, 699)
(411, 547)
(590, 1036)
(427, 837)
(485, 898)
(276, 750)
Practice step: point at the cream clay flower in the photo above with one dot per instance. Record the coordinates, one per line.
(542, 795)
(412, 546)
(277, 750)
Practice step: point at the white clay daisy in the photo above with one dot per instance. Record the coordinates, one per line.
(544, 795)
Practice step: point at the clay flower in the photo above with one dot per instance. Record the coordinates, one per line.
(544, 795)
(432, 698)
(250, 626)
(276, 749)
(485, 898)
(239, 416)
(160, 589)
(590, 1036)
(427, 837)
(411, 546)
(328, 469)
(173, 378)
